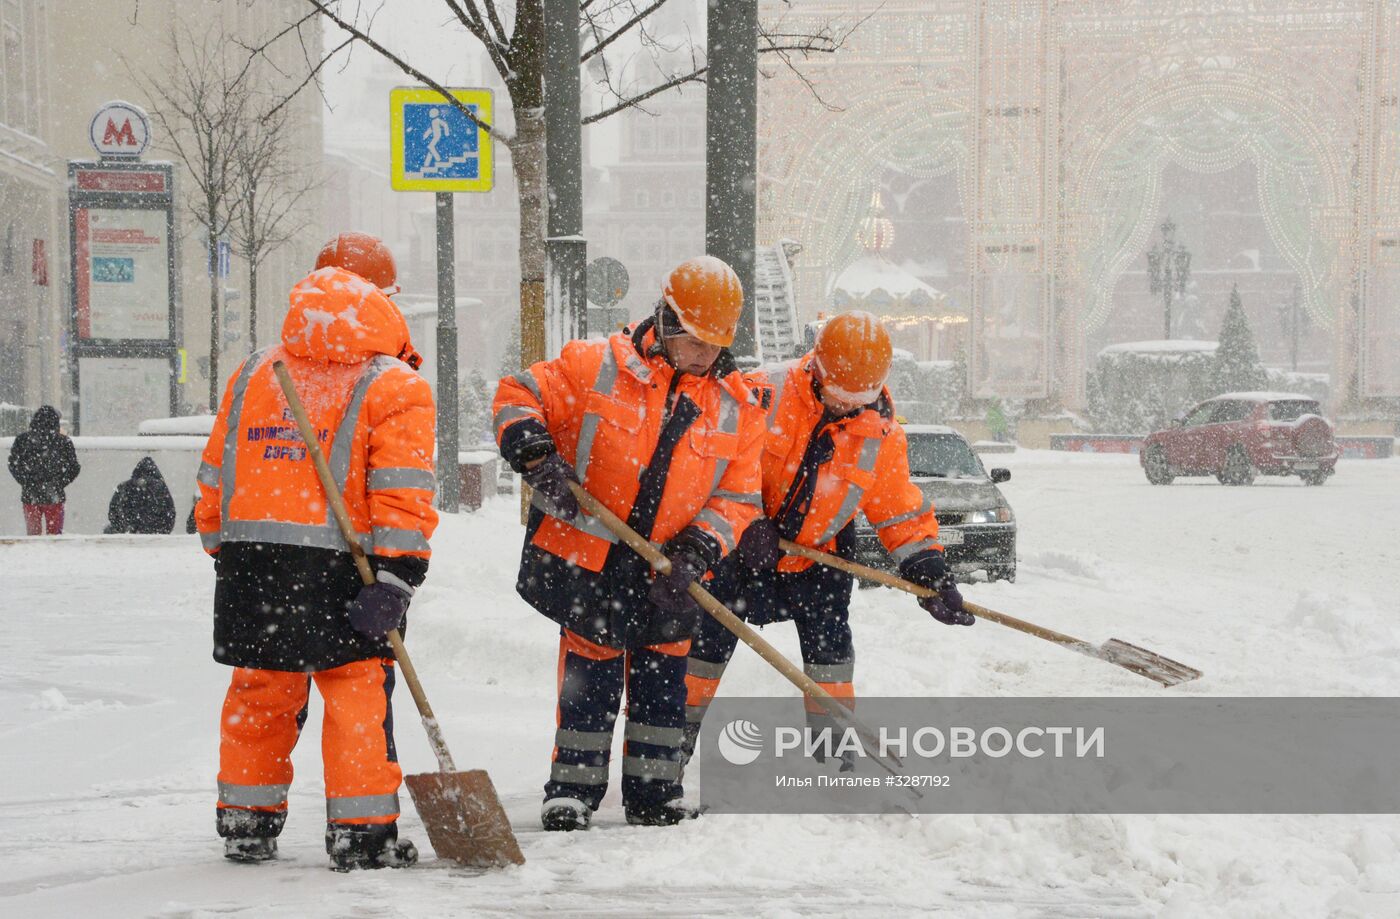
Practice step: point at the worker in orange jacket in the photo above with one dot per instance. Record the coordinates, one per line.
(658, 425)
(833, 450)
(289, 606)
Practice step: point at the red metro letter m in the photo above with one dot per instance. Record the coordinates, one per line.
(124, 137)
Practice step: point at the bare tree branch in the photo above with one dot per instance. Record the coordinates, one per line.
(260, 50)
(695, 76)
(495, 21)
(310, 77)
(364, 38)
(470, 18)
(620, 30)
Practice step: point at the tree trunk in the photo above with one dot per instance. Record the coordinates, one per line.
(213, 315)
(527, 162)
(252, 305)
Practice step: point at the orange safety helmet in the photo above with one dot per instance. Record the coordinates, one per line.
(707, 298)
(361, 254)
(853, 355)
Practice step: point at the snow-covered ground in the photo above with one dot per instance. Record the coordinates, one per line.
(109, 703)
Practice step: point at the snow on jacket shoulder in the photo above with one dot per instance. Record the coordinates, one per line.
(373, 418)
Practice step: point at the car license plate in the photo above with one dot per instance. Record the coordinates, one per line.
(950, 536)
(1305, 467)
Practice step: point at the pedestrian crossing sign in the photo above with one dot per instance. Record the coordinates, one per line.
(434, 146)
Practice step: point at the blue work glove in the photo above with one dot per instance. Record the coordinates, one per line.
(929, 570)
(758, 547)
(379, 607)
(551, 478)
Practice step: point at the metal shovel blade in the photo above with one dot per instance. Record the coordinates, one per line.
(1147, 663)
(464, 819)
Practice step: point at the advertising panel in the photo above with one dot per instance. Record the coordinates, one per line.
(123, 283)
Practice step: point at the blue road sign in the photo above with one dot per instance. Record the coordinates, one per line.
(434, 146)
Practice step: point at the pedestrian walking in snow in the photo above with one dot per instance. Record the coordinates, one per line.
(658, 425)
(289, 607)
(833, 450)
(44, 463)
(142, 504)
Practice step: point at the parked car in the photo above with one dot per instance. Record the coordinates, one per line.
(1239, 435)
(975, 523)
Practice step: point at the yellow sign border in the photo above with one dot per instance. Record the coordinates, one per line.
(481, 98)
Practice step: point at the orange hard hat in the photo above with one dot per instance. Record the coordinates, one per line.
(707, 298)
(362, 254)
(853, 355)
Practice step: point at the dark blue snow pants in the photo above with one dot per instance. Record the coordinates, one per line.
(591, 682)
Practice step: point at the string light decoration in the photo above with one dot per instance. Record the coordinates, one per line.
(1057, 121)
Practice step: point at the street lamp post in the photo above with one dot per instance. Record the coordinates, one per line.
(1168, 270)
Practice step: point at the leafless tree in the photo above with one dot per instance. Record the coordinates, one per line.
(269, 191)
(202, 107)
(512, 35)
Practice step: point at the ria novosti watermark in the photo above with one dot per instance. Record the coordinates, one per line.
(956, 742)
(1136, 755)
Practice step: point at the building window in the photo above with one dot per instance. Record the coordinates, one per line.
(693, 139)
(14, 81)
(668, 198)
(670, 138)
(641, 198)
(646, 137)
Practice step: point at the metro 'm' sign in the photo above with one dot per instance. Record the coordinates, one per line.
(120, 129)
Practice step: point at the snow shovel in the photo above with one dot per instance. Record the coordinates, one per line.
(746, 634)
(460, 810)
(1141, 661)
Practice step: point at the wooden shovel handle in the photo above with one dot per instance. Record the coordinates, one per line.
(733, 623)
(707, 601)
(898, 583)
(347, 530)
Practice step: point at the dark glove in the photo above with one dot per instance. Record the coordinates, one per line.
(947, 605)
(691, 553)
(678, 614)
(551, 479)
(928, 569)
(758, 547)
(378, 608)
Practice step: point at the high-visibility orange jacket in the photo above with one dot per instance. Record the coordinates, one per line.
(605, 405)
(374, 420)
(868, 470)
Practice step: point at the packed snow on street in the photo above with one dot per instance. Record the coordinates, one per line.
(111, 701)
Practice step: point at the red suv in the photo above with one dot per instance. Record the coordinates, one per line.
(1239, 435)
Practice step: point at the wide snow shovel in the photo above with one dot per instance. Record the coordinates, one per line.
(460, 810)
(1141, 661)
(746, 634)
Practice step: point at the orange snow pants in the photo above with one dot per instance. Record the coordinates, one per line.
(262, 718)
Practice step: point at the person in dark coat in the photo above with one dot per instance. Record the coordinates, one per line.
(142, 504)
(44, 463)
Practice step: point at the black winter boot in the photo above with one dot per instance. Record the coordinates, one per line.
(353, 846)
(664, 813)
(249, 836)
(251, 849)
(565, 815)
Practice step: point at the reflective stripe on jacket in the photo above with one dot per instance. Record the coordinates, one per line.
(374, 420)
(867, 470)
(604, 405)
